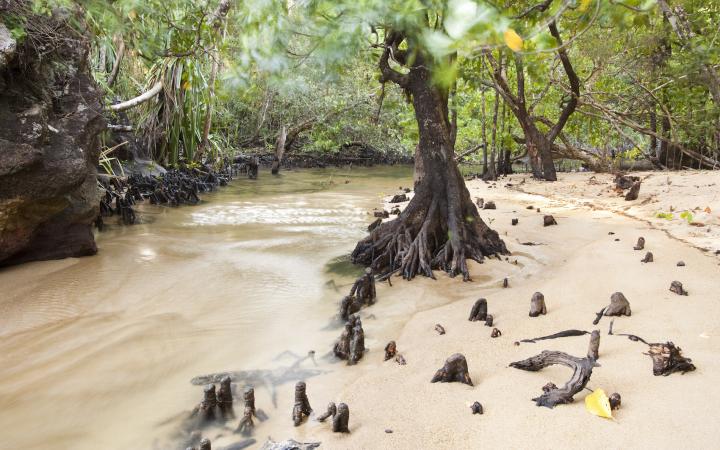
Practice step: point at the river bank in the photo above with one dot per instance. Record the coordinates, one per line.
(577, 265)
(250, 280)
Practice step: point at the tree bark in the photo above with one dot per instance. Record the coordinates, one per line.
(119, 54)
(440, 228)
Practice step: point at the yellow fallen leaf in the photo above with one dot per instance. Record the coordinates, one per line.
(598, 403)
(513, 40)
(584, 5)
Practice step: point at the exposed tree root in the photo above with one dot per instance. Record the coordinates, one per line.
(424, 238)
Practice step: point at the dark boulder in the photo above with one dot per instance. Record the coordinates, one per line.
(50, 120)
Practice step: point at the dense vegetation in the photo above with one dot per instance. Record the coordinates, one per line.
(586, 80)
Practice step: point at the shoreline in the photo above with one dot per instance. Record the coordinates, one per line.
(577, 265)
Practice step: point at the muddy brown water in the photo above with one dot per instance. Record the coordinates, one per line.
(98, 352)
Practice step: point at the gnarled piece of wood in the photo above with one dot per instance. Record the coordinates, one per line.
(341, 419)
(302, 408)
(331, 411)
(455, 369)
(478, 311)
(582, 370)
(537, 305)
(667, 358)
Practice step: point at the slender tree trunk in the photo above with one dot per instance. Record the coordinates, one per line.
(484, 136)
(492, 173)
(440, 228)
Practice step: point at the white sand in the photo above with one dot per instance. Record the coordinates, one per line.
(578, 266)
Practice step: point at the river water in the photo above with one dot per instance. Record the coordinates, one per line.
(98, 352)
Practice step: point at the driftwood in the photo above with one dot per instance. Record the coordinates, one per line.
(476, 408)
(619, 306)
(455, 369)
(537, 305)
(615, 401)
(677, 288)
(552, 395)
(331, 411)
(489, 320)
(633, 192)
(341, 419)
(302, 408)
(667, 358)
(648, 258)
(566, 333)
(478, 312)
(390, 350)
(489, 205)
(351, 344)
(549, 220)
(440, 329)
(225, 399)
(495, 333)
(364, 288)
(640, 244)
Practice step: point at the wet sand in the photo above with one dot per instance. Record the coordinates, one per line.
(100, 350)
(577, 265)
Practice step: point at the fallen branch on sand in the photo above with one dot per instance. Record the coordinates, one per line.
(582, 370)
(667, 358)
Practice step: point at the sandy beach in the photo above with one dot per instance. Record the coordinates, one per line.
(577, 265)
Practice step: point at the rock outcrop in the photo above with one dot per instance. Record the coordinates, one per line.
(50, 120)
